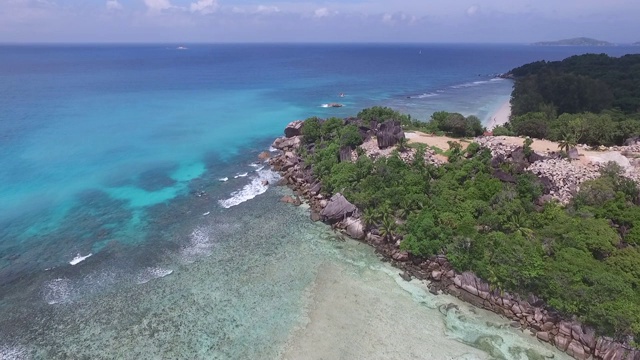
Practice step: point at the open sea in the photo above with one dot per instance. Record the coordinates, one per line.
(134, 223)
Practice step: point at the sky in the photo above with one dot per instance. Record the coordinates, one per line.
(214, 21)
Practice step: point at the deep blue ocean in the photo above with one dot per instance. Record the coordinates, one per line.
(119, 152)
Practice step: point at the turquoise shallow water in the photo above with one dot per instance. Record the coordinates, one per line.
(117, 152)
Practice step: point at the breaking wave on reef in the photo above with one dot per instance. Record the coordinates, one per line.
(257, 186)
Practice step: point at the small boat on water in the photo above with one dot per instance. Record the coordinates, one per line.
(336, 105)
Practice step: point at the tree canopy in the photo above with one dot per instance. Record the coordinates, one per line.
(582, 259)
(599, 93)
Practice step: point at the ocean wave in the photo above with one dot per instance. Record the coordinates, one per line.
(151, 273)
(78, 259)
(423, 96)
(223, 179)
(241, 175)
(199, 245)
(57, 291)
(475, 83)
(251, 190)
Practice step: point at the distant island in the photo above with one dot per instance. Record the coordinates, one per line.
(581, 41)
(637, 43)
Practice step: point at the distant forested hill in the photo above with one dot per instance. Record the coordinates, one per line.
(581, 41)
(579, 83)
(600, 92)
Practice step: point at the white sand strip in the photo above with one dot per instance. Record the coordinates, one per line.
(501, 116)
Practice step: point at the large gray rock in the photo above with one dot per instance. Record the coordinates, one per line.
(389, 133)
(337, 209)
(345, 154)
(291, 143)
(354, 228)
(632, 141)
(293, 129)
(573, 154)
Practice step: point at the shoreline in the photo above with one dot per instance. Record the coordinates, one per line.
(500, 117)
(528, 312)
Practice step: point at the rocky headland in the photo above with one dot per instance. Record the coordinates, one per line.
(561, 179)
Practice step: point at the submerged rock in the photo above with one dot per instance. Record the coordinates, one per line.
(264, 155)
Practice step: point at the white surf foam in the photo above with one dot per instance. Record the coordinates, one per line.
(199, 245)
(207, 213)
(424, 96)
(241, 175)
(151, 273)
(260, 169)
(272, 149)
(475, 83)
(13, 353)
(57, 291)
(78, 259)
(324, 105)
(223, 179)
(251, 190)
(255, 165)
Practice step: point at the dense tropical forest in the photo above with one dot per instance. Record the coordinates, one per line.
(582, 259)
(591, 99)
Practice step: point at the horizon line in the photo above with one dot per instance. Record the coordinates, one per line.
(13, 43)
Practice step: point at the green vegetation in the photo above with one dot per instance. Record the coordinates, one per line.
(597, 98)
(442, 122)
(582, 259)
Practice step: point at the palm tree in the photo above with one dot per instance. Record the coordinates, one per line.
(406, 207)
(369, 217)
(387, 227)
(567, 142)
(517, 224)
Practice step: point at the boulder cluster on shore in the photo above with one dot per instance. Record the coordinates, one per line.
(561, 177)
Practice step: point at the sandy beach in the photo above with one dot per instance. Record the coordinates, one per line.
(500, 117)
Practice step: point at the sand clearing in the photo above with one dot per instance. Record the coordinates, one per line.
(440, 142)
(541, 146)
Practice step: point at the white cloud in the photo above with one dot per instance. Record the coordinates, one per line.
(113, 5)
(204, 6)
(158, 5)
(321, 12)
(472, 10)
(388, 19)
(262, 9)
